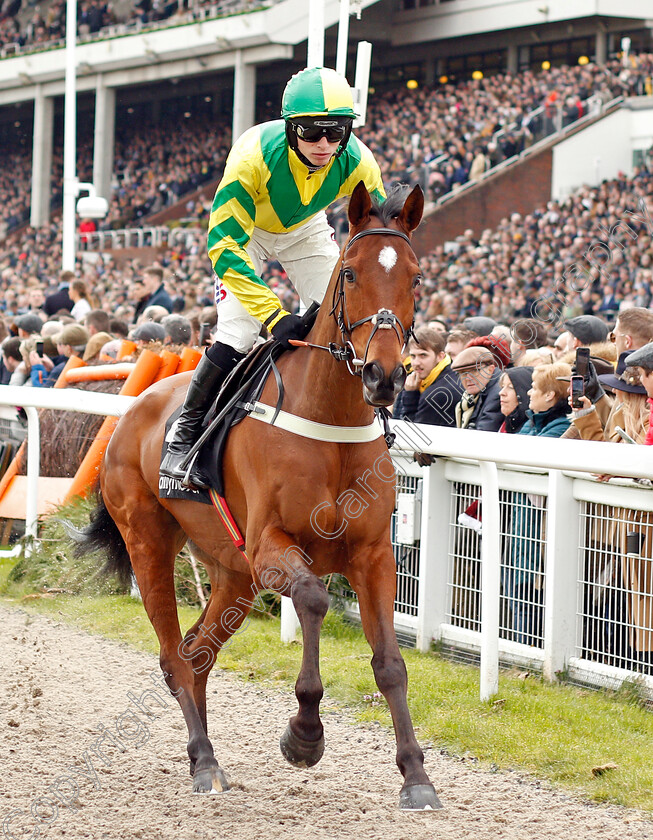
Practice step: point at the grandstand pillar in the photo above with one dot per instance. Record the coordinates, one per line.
(244, 95)
(104, 136)
(601, 47)
(41, 158)
(512, 60)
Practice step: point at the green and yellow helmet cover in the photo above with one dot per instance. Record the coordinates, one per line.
(317, 91)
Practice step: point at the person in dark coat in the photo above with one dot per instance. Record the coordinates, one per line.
(150, 291)
(513, 397)
(60, 299)
(479, 367)
(432, 389)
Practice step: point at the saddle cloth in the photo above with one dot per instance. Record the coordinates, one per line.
(242, 386)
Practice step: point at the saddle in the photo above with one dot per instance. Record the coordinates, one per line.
(234, 401)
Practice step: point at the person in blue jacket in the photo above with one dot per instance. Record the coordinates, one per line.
(523, 581)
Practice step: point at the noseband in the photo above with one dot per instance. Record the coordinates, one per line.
(384, 319)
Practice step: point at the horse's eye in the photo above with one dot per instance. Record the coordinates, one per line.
(348, 275)
(417, 281)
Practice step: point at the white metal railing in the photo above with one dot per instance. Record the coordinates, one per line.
(145, 237)
(63, 399)
(504, 471)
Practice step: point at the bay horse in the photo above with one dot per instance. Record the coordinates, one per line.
(296, 500)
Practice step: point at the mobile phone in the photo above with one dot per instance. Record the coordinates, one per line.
(205, 334)
(624, 435)
(39, 348)
(582, 361)
(577, 391)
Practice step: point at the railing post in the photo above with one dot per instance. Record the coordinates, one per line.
(560, 599)
(490, 580)
(33, 467)
(432, 598)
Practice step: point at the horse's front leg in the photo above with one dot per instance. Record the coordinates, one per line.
(281, 566)
(373, 577)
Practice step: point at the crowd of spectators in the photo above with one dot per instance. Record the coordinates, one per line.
(506, 274)
(29, 23)
(502, 382)
(152, 170)
(410, 129)
(453, 125)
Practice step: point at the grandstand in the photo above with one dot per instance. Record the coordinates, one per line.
(528, 124)
(450, 99)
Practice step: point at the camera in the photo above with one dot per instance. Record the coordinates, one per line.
(577, 391)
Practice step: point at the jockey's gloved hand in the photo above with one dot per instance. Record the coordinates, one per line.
(593, 388)
(290, 326)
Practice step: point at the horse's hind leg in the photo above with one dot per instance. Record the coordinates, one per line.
(153, 539)
(281, 566)
(373, 579)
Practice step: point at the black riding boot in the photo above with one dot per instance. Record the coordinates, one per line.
(207, 379)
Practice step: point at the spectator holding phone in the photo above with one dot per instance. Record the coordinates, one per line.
(630, 410)
(642, 359)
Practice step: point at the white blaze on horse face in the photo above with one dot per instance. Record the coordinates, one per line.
(388, 258)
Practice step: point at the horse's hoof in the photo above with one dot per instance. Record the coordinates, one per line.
(210, 780)
(299, 752)
(419, 798)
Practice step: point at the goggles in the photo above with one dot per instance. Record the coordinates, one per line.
(313, 133)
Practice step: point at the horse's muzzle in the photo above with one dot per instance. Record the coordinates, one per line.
(379, 389)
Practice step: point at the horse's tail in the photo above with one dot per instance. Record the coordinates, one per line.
(102, 535)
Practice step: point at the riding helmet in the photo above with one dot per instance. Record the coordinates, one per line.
(319, 96)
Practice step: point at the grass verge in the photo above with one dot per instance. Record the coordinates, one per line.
(554, 732)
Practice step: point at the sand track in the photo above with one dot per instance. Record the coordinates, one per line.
(62, 690)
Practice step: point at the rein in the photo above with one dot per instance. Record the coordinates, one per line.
(384, 319)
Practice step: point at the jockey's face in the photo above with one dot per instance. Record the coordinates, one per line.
(320, 153)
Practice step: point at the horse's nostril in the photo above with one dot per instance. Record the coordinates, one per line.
(373, 375)
(398, 378)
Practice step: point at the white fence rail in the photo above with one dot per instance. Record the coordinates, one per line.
(546, 580)
(140, 237)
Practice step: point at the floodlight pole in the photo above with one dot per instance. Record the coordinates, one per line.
(343, 38)
(69, 141)
(315, 48)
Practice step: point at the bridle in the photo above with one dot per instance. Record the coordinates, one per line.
(384, 319)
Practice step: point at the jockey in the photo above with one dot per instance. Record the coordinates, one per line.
(278, 179)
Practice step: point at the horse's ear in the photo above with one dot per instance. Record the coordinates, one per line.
(360, 205)
(411, 213)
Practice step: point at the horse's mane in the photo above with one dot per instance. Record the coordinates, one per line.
(392, 206)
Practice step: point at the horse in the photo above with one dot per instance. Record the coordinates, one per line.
(296, 500)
